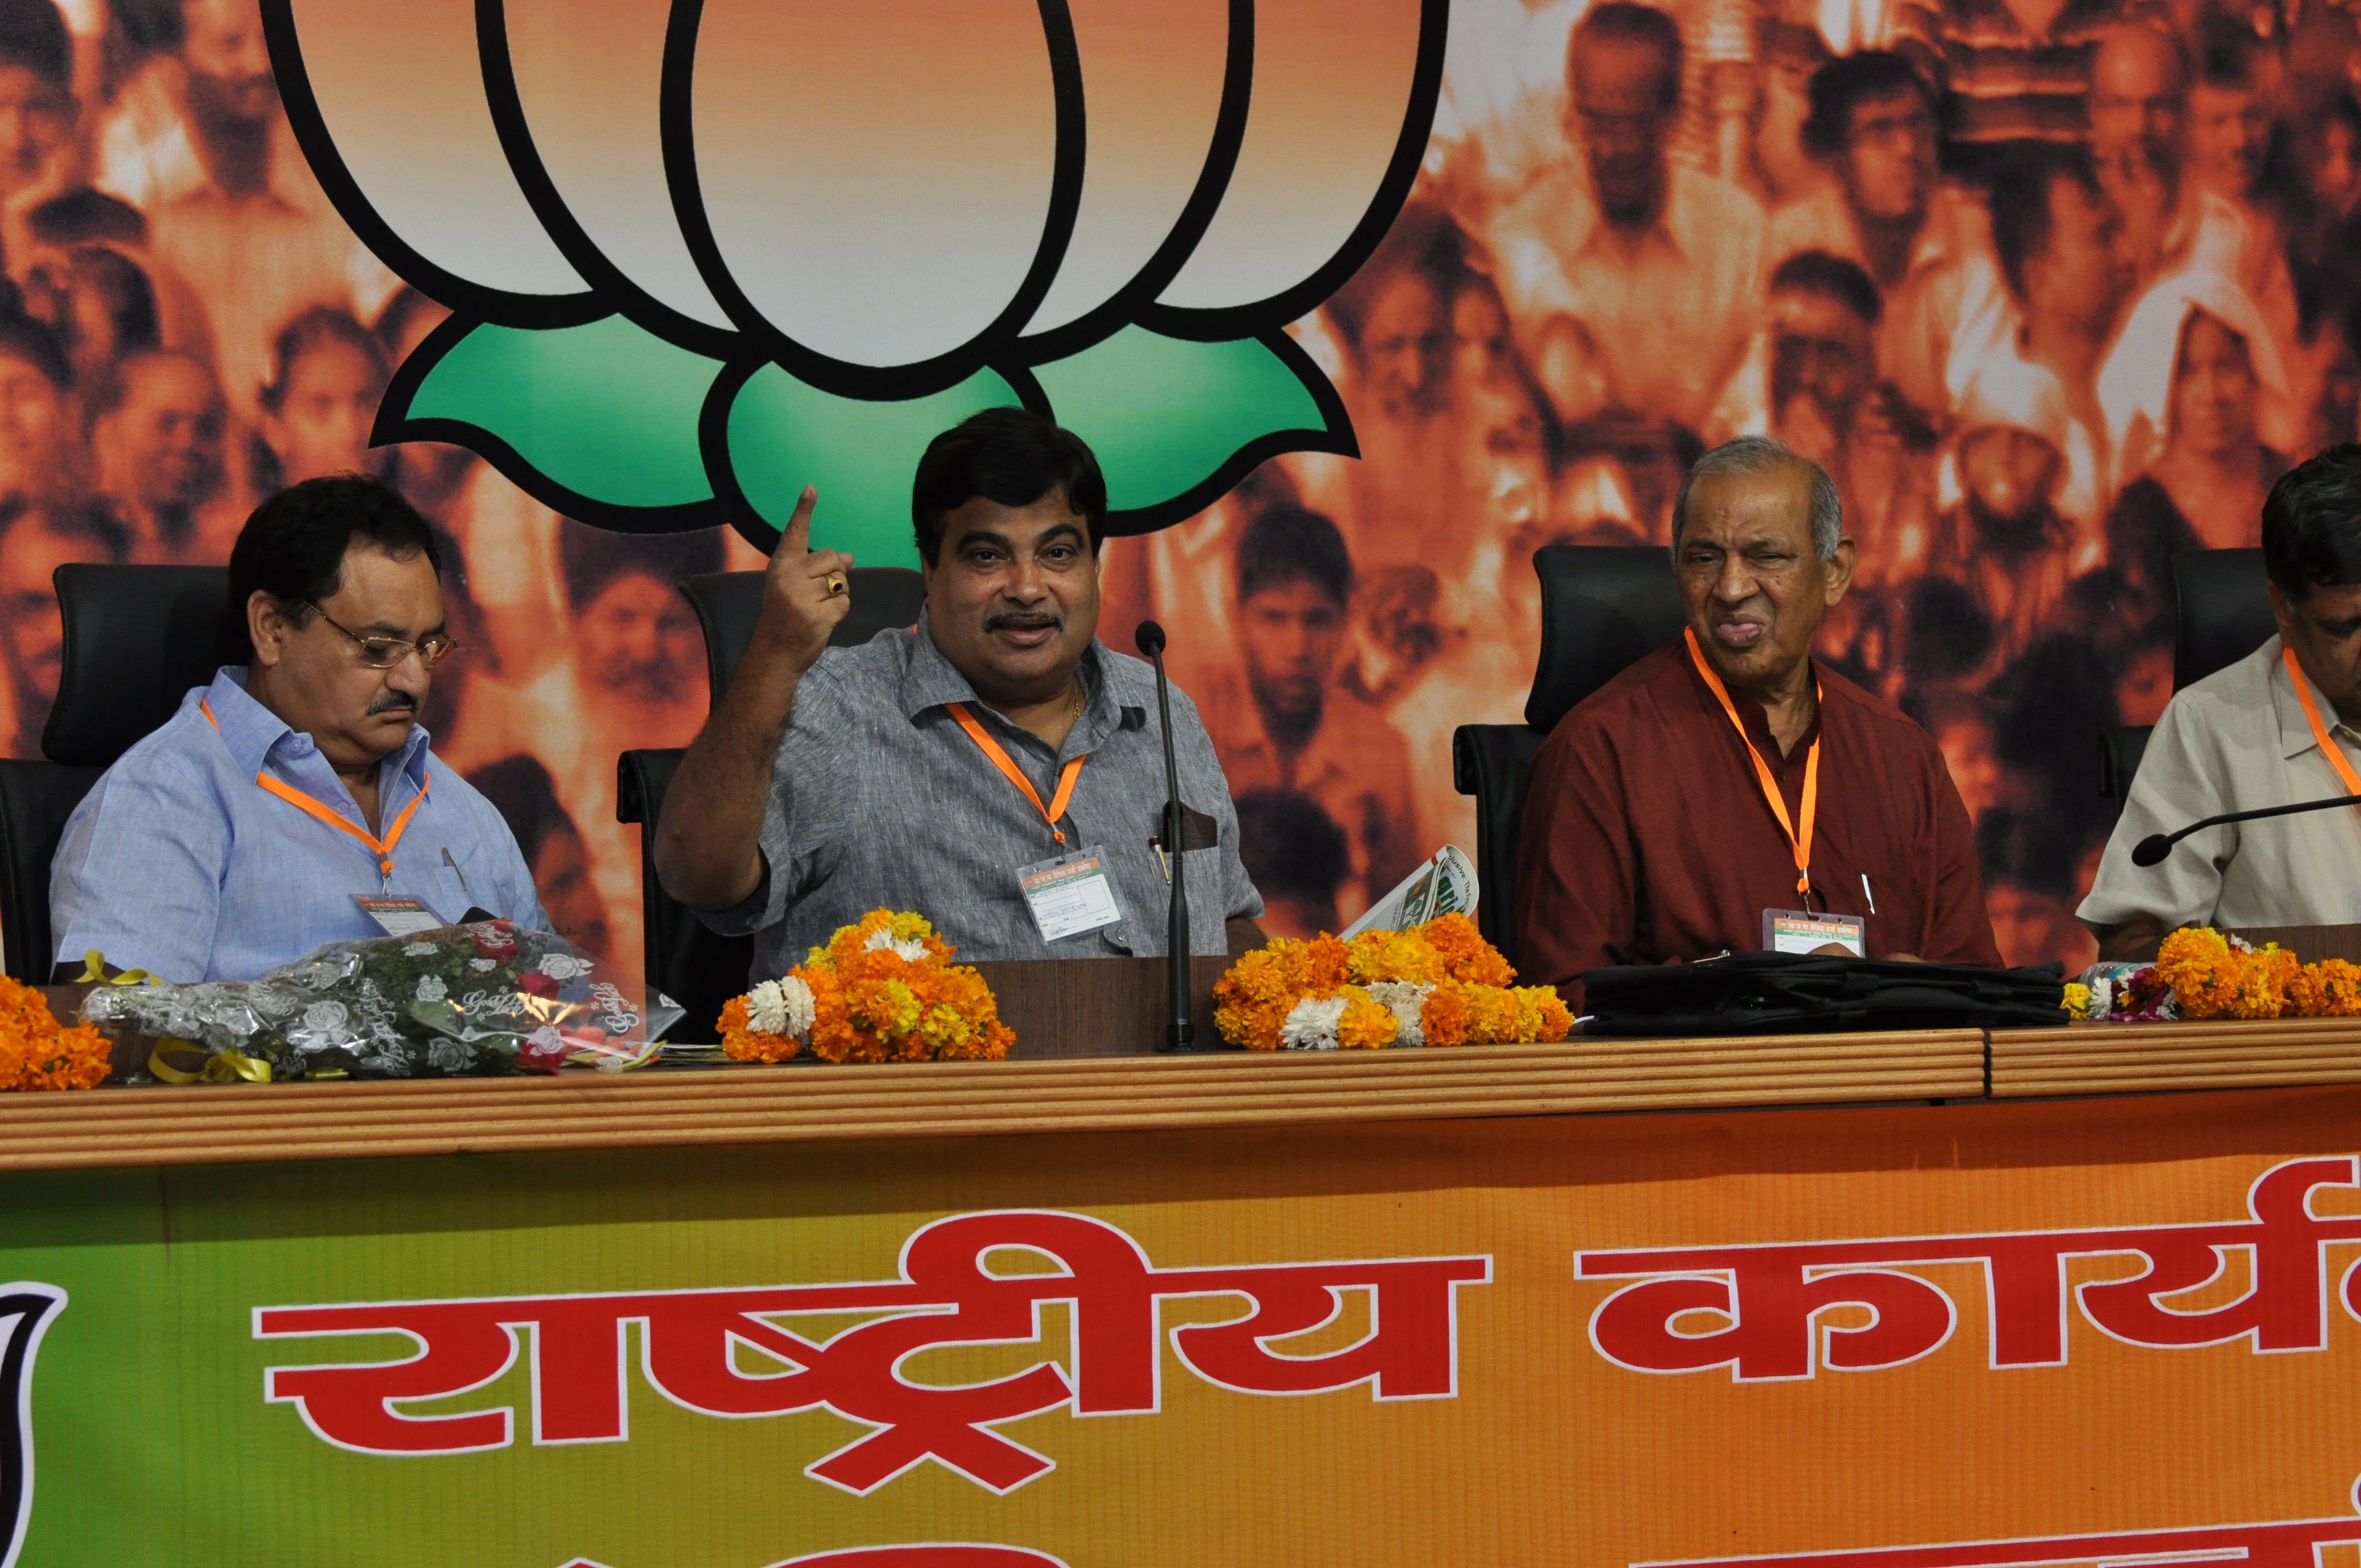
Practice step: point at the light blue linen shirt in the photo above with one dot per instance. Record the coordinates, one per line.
(178, 862)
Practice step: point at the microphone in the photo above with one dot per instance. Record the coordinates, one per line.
(2152, 849)
(1180, 1034)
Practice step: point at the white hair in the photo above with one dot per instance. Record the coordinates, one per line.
(1768, 454)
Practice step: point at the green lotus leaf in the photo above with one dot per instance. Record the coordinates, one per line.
(606, 413)
(1175, 423)
(860, 456)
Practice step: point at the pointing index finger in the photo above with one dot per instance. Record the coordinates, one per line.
(796, 538)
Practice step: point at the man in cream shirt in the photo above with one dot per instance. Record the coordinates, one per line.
(2280, 726)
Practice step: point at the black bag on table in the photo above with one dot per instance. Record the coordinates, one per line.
(1796, 993)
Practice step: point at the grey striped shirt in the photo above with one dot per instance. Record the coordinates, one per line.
(880, 799)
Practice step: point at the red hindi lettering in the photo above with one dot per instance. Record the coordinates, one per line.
(1410, 1352)
(1771, 1302)
(462, 1345)
(2285, 1306)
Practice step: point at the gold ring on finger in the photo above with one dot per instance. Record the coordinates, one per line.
(835, 587)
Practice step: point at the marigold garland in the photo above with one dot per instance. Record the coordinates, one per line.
(882, 990)
(1437, 984)
(2200, 974)
(36, 1053)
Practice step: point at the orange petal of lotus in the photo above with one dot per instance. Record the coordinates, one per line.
(1331, 88)
(401, 92)
(592, 109)
(1152, 78)
(876, 173)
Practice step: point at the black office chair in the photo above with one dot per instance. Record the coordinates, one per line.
(2222, 611)
(1603, 607)
(685, 960)
(2121, 746)
(727, 604)
(136, 639)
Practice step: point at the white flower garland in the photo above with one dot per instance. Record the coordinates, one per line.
(1406, 999)
(881, 941)
(1311, 1025)
(782, 1007)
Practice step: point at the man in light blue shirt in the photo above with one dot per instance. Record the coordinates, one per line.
(240, 835)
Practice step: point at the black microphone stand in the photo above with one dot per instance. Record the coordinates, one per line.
(1180, 1034)
(2152, 849)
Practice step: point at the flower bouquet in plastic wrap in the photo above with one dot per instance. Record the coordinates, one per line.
(478, 1000)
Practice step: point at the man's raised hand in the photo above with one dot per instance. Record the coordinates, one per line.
(805, 593)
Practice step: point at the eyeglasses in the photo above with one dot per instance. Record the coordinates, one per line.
(385, 652)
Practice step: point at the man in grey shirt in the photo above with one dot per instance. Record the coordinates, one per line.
(2276, 727)
(924, 769)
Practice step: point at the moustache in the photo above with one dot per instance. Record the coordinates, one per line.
(1023, 620)
(393, 702)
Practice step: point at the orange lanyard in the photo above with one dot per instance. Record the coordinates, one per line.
(2328, 746)
(295, 797)
(1800, 842)
(1052, 813)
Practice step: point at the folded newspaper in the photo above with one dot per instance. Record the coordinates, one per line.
(1445, 885)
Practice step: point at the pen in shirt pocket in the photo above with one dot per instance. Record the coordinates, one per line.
(1865, 889)
(471, 891)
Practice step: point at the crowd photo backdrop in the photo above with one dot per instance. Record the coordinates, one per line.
(1361, 303)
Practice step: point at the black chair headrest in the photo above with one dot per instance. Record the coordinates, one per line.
(2223, 611)
(136, 639)
(1604, 608)
(728, 604)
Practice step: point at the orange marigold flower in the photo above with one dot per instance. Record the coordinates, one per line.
(1366, 1024)
(36, 1053)
(1444, 1018)
(2329, 989)
(1466, 955)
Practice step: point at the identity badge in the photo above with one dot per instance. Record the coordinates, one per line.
(1801, 931)
(1069, 894)
(400, 916)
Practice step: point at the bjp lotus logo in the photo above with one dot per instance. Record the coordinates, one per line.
(703, 252)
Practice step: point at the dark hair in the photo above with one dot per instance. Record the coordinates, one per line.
(33, 35)
(1293, 544)
(114, 388)
(1009, 456)
(293, 547)
(2312, 523)
(1624, 22)
(1425, 240)
(2226, 54)
(2024, 201)
(122, 286)
(406, 305)
(1290, 847)
(1843, 83)
(1846, 282)
(87, 217)
(87, 523)
(21, 338)
(316, 328)
(592, 558)
(520, 789)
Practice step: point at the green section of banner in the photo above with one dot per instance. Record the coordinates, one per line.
(607, 410)
(1163, 414)
(784, 435)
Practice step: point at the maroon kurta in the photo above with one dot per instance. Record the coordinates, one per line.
(1646, 837)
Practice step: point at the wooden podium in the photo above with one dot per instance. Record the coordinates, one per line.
(1064, 1008)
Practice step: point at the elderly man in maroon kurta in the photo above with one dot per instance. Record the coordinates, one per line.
(1727, 775)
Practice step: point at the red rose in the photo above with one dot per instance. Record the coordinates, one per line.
(538, 983)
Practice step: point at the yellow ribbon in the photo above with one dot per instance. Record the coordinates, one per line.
(221, 1067)
(93, 971)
